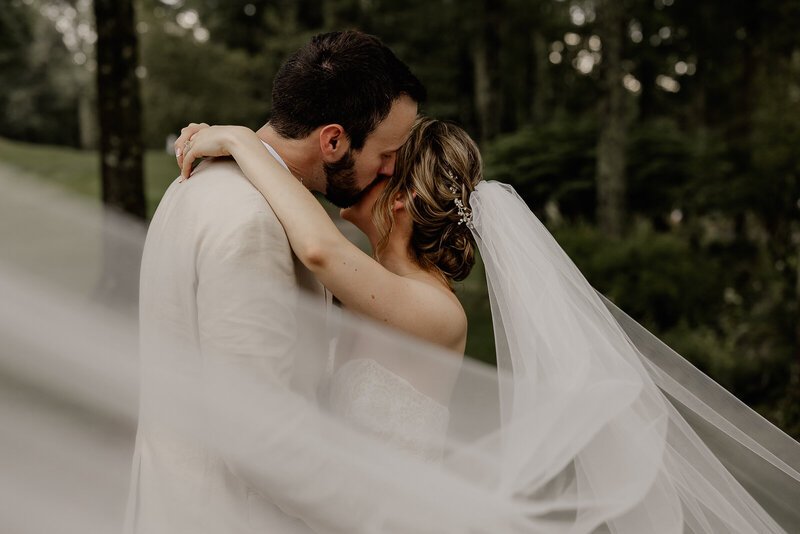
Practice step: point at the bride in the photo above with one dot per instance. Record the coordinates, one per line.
(603, 428)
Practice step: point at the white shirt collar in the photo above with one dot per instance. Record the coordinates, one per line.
(276, 156)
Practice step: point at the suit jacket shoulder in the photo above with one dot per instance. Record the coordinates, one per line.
(223, 196)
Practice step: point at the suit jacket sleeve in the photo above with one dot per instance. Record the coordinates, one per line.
(243, 265)
(267, 434)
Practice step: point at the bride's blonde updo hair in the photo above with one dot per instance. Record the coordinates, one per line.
(438, 159)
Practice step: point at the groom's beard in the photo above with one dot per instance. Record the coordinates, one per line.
(341, 188)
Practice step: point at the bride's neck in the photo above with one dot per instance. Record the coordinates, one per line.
(395, 257)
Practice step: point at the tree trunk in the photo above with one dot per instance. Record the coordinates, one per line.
(792, 402)
(119, 111)
(485, 57)
(87, 120)
(119, 107)
(612, 135)
(541, 83)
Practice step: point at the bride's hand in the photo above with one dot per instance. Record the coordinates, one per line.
(209, 141)
(186, 135)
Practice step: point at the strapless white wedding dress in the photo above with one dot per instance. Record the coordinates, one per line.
(379, 401)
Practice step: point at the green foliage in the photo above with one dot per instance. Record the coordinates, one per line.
(655, 277)
(661, 167)
(687, 296)
(550, 162)
(38, 89)
(15, 32)
(199, 82)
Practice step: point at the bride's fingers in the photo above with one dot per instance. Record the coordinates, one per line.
(189, 155)
(180, 142)
(178, 146)
(186, 166)
(186, 134)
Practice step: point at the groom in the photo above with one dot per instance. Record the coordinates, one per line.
(215, 252)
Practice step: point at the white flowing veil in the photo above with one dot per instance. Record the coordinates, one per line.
(589, 424)
(634, 434)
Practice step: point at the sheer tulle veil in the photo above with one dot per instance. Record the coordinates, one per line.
(603, 420)
(588, 424)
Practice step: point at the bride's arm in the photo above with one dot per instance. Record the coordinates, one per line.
(311, 232)
(360, 282)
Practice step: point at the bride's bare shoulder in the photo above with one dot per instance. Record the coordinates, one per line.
(441, 317)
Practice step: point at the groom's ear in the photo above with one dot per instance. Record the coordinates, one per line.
(333, 142)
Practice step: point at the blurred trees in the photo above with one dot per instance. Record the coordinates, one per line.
(40, 86)
(655, 137)
(709, 166)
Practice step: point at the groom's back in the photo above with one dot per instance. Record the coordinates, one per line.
(214, 221)
(214, 254)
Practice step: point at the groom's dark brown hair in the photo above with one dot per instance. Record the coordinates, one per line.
(348, 78)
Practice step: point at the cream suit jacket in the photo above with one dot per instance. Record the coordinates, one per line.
(213, 252)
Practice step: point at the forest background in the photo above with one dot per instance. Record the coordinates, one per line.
(655, 138)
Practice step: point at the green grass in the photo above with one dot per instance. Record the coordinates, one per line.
(79, 170)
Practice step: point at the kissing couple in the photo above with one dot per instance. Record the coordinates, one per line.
(291, 382)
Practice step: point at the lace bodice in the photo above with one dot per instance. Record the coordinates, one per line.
(384, 403)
